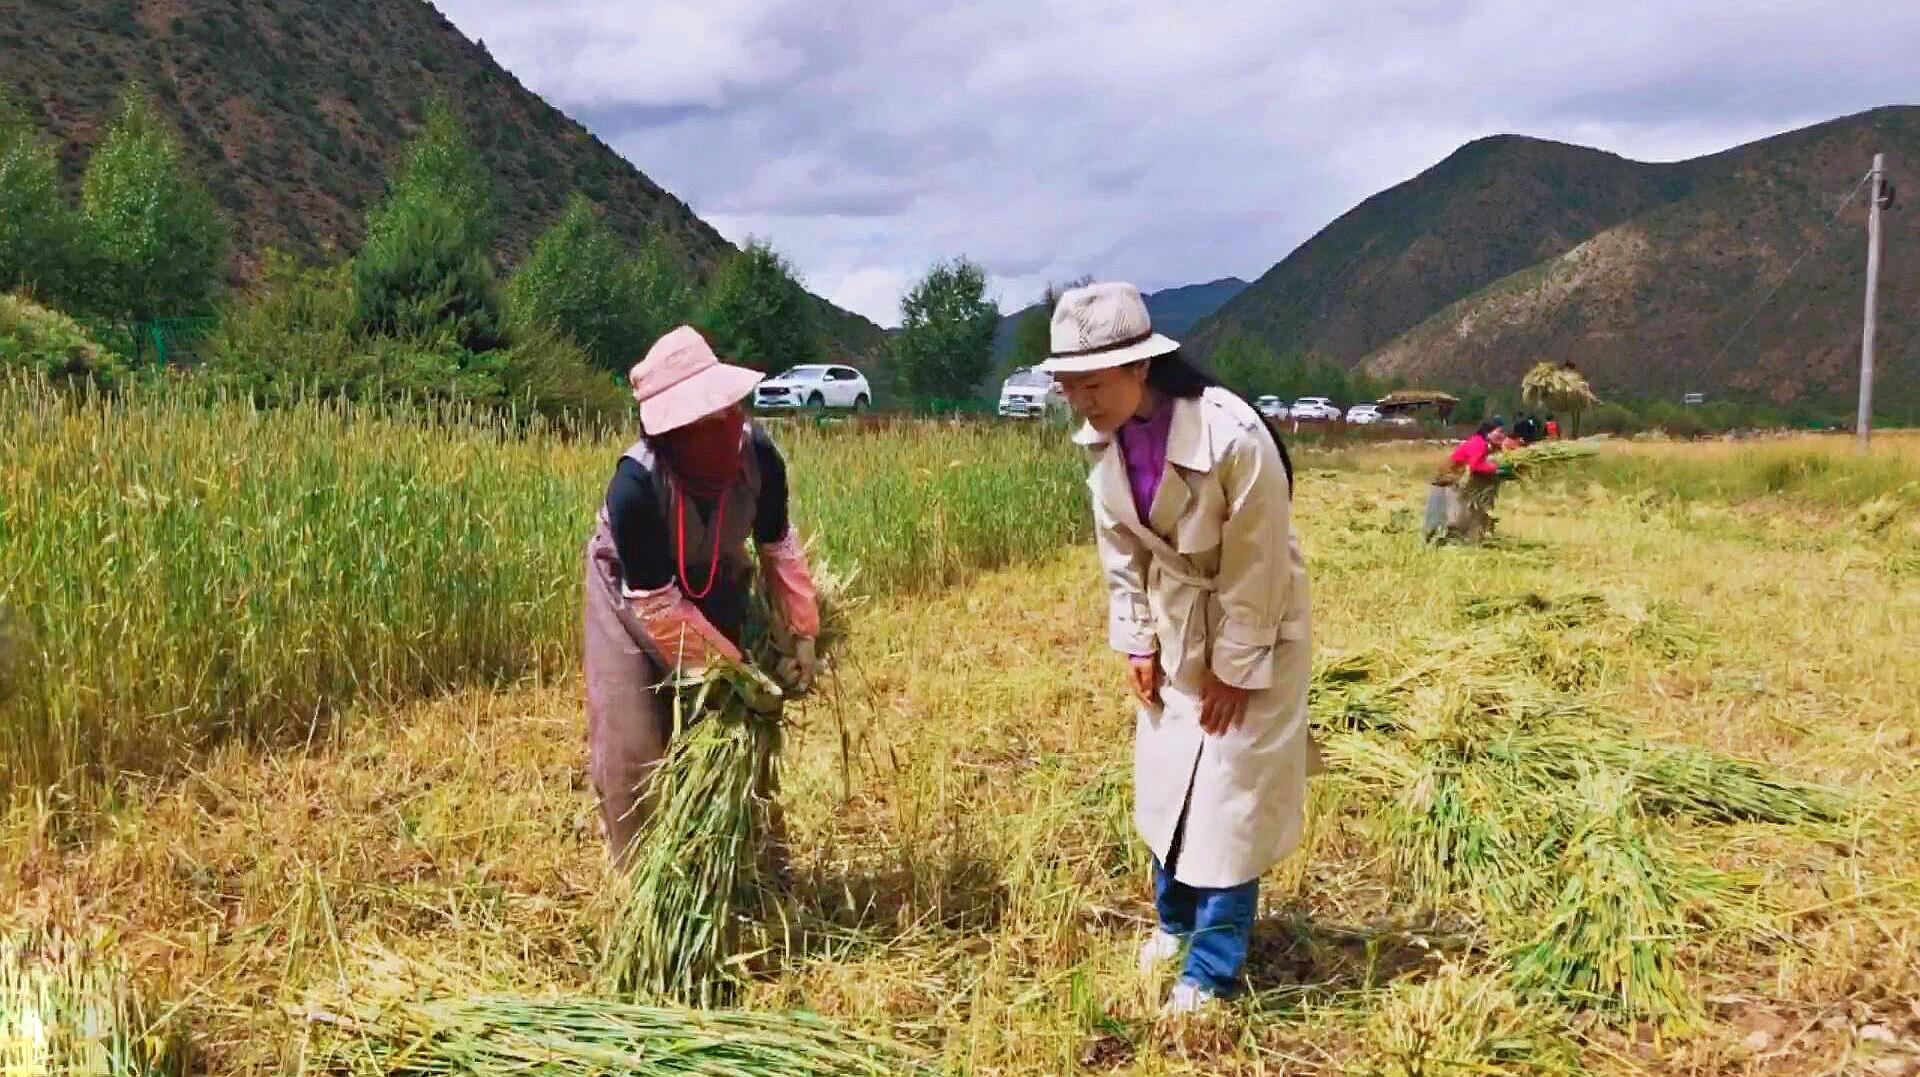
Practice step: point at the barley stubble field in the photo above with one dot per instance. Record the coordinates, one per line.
(292, 728)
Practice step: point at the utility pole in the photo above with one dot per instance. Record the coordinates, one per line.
(1863, 422)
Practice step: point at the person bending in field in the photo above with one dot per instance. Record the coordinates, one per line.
(1460, 505)
(1209, 605)
(667, 570)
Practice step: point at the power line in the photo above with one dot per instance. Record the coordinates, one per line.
(1818, 240)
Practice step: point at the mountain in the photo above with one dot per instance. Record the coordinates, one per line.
(293, 112)
(1495, 206)
(1515, 249)
(1174, 311)
(1676, 298)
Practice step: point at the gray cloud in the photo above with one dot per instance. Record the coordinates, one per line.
(1160, 142)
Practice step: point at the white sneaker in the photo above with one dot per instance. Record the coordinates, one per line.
(1188, 997)
(1159, 949)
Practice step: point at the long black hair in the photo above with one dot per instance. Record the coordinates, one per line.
(1174, 375)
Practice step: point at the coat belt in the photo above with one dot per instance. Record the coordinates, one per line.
(1195, 589)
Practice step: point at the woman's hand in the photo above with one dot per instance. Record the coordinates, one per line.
(1143, 675)
(1222, 706)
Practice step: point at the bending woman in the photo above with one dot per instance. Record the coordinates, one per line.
(1209, 604)
(668, 574)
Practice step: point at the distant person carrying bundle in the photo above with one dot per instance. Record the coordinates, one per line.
(1208, 596)
(1460, 503)
(667, 570)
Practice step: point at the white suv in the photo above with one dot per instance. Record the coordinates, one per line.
(814, 387)
(1314, 409)
(1030, 393)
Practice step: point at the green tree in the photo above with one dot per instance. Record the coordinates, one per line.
(1033, 334)
(757, 313)
(40, 237)
(1247, 365)
(945, 345)
(440, 165)
(426, 268)
(583, 281)
(159, 245)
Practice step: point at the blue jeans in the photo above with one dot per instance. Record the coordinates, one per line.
(1217, 925)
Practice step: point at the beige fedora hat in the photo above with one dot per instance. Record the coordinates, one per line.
(681, 381)
(1101, 326)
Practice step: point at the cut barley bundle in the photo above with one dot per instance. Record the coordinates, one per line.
(694, 889)
(1459, 1022)
(696, 901)
(1449, 834)
(501, 1036)
(1534, 458)
(66, 1007)
(1675, 780)
(1611, 932)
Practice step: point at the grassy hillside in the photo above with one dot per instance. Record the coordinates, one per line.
(293, 111)
(1649, 305)
(1493, 207)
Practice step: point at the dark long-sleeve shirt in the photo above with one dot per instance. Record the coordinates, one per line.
(642, 535)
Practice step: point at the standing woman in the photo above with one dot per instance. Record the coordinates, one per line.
(668, 574)
(1208, 601)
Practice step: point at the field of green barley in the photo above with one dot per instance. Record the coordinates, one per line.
(292, 732)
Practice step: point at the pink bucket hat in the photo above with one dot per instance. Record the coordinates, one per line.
(681, 381)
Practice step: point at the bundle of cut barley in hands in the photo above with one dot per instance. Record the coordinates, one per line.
(696, 897)
(1532, 459)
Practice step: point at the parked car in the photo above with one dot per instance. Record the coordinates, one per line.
(1363, 414)
(1399, 418)
(1271, 406)
(1029, 393)
(814, 387)
(1314, 409)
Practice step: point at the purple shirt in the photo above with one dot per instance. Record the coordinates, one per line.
(1143, 445)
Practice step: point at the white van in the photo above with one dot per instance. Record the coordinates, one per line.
(1030, 393)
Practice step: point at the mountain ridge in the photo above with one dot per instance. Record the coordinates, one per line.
(293, 113)
(1694, 296)
(1643, 273)
(1174, 311)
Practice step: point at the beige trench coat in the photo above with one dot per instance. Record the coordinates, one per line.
(1213, 579)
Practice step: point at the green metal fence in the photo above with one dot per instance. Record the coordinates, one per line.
(171, 341)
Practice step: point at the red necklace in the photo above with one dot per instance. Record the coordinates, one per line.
(680, 528)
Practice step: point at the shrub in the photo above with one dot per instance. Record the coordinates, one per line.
(48, 343)
(292, 338)
(427, 271)
(547, 373)
(1611, 418)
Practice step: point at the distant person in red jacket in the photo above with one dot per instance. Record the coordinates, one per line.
(1553, 428)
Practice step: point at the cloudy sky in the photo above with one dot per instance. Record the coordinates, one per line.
(1164, 143)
